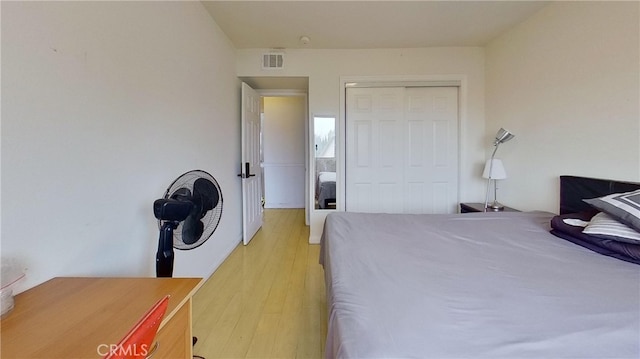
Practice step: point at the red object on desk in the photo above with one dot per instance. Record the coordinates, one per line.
(137, 343)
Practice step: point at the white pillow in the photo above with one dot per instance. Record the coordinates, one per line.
(606, 227)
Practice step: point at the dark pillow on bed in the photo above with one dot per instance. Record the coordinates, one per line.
(625, 207)
(624, 251)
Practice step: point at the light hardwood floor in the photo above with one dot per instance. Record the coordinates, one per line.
(267, 300)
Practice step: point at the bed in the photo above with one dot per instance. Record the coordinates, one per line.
(326, 189)
(477, 285)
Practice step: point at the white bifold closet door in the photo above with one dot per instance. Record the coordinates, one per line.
(402, 149)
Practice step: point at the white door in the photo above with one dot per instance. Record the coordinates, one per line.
(402, 150)
(250, 167)
(374, 160)
(431, 150)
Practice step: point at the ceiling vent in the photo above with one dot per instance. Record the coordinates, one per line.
(273, 60)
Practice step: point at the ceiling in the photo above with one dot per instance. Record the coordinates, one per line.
(366, 24)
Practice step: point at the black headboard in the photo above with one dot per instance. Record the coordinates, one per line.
(574, 189)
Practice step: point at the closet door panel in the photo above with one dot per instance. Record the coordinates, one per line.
(401, 149)
(374, 149)
(431, 145)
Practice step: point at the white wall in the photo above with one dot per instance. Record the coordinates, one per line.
(284, 151)
(104, 104)
(566, 82)
(326, 67)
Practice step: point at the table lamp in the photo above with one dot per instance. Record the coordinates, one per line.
(494, 170)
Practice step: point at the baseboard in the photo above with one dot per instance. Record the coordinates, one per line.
(314, 239)
(283, 205)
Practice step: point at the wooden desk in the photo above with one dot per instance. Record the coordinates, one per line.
(76, 317)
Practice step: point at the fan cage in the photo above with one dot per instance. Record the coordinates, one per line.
(211, 220)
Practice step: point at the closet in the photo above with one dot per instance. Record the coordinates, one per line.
(401, 149)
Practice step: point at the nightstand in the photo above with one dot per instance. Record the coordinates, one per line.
(479, 207)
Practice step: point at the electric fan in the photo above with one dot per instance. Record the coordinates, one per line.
(187, 216)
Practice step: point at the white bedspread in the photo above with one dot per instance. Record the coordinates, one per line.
(478, 285)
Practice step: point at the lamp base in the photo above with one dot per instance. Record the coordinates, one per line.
(495, 206)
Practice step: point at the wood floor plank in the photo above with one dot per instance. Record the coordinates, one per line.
(261, 345)
(267, 300)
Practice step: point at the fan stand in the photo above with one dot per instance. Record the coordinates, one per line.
(164, 256)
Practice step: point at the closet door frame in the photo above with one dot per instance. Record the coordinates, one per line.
(459, 81)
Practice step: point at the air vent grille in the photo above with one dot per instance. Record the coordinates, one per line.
(273, 61)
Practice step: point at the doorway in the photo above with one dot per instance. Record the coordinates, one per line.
(286, 86)
(283, 136)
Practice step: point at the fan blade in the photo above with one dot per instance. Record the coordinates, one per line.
(192, 229)
(207, 194)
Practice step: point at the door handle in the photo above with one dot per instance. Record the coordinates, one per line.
(247, 171)
(241, 174)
